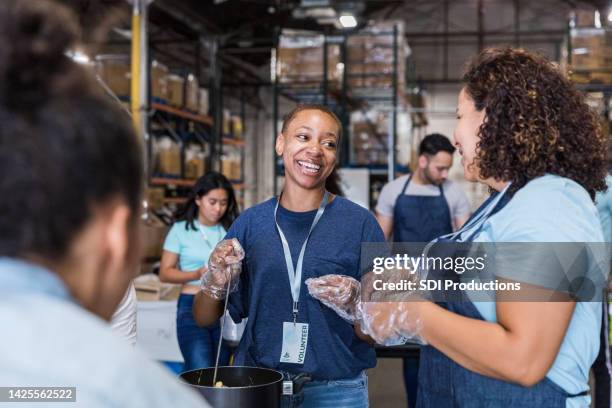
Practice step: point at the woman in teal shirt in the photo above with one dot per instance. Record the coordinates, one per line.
(200, 224)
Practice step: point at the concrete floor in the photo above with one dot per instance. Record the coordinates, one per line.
(386, 384)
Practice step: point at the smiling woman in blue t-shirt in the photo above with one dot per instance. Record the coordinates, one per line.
(311, 233)
(200, 224)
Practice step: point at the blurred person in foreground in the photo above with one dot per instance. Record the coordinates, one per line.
(71, 190)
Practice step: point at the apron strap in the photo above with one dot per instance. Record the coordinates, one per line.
(406, 185)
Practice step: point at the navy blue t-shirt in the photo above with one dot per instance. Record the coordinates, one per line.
(264, 295)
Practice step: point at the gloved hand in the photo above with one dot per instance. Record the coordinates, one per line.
(340, 293)
(224, 263)
(393, 322)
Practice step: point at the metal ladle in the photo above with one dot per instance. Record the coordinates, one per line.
(214, 381)
(229, 282)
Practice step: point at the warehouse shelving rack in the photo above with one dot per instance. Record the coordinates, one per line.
(345, 98)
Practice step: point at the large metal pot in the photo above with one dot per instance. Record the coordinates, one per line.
(246, 387)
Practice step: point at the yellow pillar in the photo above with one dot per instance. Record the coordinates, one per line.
(135, 102)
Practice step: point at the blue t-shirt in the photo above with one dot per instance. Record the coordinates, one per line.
(554, 209)
(264, 295)
(193, 246)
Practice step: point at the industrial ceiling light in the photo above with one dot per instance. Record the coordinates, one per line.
(78, 57)
(348, 21)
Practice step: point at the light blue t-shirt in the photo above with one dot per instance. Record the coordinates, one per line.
(193, 246)
(554, 209)
(604, 206)
(48, 340)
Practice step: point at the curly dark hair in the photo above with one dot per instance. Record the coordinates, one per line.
(536, 121)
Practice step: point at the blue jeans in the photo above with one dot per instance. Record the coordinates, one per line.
(348, 393)
(411, 379)
(198, 344)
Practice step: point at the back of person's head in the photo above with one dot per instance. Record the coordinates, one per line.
(536, 121)
(204, 185)
(434, 143)
(67, 151)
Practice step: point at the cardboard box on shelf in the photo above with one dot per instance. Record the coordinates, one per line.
(159, 80)
(114, 71)
(300, 58)
(583, 18)
(203, 101)
(236, 170)
(153, 234)
(192, 89)
(176, 89)
(591, 49)
(226, 167)
(236, 127)
(168, 156)
(195, 163)
(155, 197)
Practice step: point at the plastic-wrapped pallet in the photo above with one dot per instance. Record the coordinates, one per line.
(300, 58)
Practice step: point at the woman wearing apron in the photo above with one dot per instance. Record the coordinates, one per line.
(200, 224)
(525, 132)
(288, 243)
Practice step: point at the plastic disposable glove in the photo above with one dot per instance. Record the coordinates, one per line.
(340, 293)
(225, 263)
(392, 322)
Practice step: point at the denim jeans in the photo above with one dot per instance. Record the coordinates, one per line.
(198, 344)
(411, 379)
(347, 393)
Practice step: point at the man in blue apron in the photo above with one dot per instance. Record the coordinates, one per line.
(420, 207)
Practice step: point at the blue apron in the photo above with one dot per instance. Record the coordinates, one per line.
(444, 383)
(420, 218)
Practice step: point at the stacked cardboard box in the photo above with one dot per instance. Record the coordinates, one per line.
(192, 89)
(368, 138)
(176, 90)
(591, 59)
(167, 156)
(153, 232)
(237, 127)
(300, 58)
(154, 197)
(114, 71)
(370, 56)
(231, 164)
(159, 81)
(195, 163)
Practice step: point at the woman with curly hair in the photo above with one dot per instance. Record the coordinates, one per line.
(525, 132)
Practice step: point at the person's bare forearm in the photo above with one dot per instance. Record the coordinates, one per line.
(206, 310)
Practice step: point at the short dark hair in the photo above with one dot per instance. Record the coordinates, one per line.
(304, 107)
(210, 181)
(434, 143)
(65, 146)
